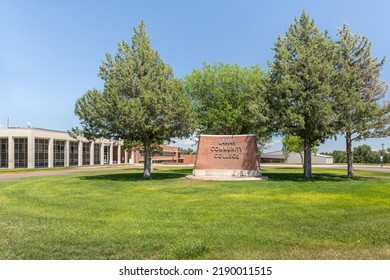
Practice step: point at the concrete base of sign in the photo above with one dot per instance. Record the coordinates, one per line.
(226, 173)
(225, 178)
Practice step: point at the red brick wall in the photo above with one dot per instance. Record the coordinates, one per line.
(188, 159)
(235, 152)
(168, 158)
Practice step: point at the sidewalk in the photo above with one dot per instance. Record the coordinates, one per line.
(36, 172)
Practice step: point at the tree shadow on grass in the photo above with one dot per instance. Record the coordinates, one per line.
(161, 175)
(298, 177)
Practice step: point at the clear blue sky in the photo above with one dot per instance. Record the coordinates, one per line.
(50, 51)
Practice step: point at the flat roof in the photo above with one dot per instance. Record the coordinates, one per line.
(34, 128)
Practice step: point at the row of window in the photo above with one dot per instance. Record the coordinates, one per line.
(160, 153)
(42, 153)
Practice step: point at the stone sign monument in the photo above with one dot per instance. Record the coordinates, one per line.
(226, 157)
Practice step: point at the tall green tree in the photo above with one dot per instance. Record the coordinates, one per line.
(292, 144)
(339, 156)
(364, 154)
(300, 86)
(223, 97)
(141, 103)
(361, 113)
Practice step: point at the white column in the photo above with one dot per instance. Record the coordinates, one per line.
(51, 153)
(132, 157)
(111, 153)
(102, 153)
(126, 157)
(92, 153)
(11, 152)
(66, 151)
(80, 159)
(119, 154)
(30, 152)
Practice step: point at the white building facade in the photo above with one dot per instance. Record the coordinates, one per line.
(44, 148)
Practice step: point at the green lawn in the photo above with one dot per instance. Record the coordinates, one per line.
(114, 214)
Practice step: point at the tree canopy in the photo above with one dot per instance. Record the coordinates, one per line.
(359, 92)
(300, 91)
(292, 144)
(222, 95)
(141, 103)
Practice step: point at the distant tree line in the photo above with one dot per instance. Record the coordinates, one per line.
(188, 151)
(361, 154)
(316, 88)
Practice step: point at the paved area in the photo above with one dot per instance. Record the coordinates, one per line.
(36, 173)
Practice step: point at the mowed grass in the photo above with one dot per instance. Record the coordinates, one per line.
(114, 214)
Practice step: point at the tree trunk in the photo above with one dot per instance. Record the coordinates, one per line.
(348, 138)
(301, 158)
(307, 159)
(147, 160)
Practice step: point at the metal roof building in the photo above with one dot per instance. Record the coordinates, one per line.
(280, 157)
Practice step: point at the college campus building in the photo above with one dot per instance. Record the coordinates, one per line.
(37, 147)
(280, 157)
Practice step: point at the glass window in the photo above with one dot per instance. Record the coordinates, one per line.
(96, 154)
(3, 153)
(41, 152)
(168, 154)
(86, 153)
(59, 153)
(73, 153)
(107, 154)
(20, 152)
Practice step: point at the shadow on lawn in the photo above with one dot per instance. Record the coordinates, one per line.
(158, 175)
(298, 177)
